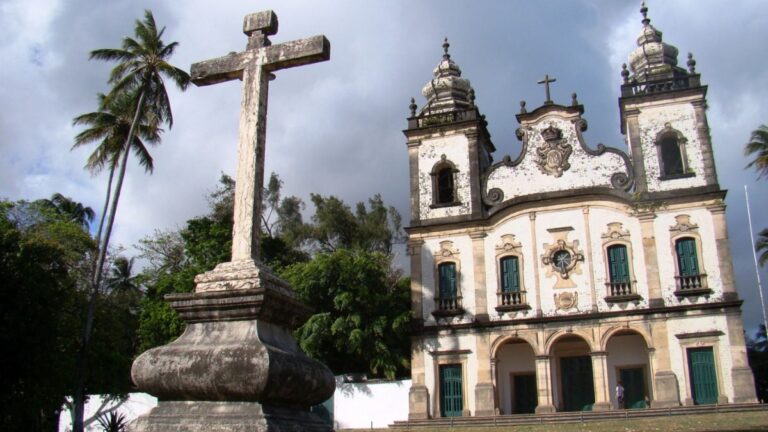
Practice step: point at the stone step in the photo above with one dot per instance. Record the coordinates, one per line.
(573, 417)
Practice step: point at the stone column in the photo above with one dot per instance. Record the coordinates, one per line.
(418, 396)
(723, 251)
(741, 374)
(484, 391)
(600, 380)
(544, 385)
(478, 260)
(665, 381)
(651, 259)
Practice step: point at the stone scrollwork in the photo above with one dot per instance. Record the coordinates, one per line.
(563, 257)
(553, 154)
(683, 224)
(495, 196)
(567, 300)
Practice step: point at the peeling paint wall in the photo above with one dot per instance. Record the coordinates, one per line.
(455, 149)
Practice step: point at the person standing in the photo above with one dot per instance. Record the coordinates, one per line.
(620, 395)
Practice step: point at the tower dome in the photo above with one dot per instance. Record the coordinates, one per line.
(653, 59)
(447, 91)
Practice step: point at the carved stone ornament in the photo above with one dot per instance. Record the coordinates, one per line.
(567, 300)
(553, 154)
(508, 244)
(683, 224)
(446, 250)
(563, 257)
(615, 232)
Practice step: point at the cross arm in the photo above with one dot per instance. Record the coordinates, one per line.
(297, 53)
(214, 71)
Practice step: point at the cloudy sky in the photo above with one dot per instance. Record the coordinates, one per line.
(335, 127)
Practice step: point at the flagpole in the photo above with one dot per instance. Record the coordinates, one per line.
(754, 255)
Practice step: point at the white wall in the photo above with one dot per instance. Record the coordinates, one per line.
(455, 149)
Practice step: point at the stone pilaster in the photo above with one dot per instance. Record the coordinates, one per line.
(705, 140)
(474, 174)
(591, 259)
(536, 277)
(665, 381)
(478, 261)
(418, 396)
(414, 251)
(741, 374)
(636, 149)
(723, 251)
(484, 390)
(544, 385)
(651, 259)
(600, 380)
(413, 167)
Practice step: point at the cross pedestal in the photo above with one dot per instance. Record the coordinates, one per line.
(237, 366)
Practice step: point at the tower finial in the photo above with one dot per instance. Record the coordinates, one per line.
(691, 64)
(412, 107)
(446, 56)
(644, 11)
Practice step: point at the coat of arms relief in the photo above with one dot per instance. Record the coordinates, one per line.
(553, 154)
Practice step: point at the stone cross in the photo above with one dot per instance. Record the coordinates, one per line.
(254, 67)
(546, 82)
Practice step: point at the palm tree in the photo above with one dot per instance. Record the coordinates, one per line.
(142, 67)
(758, 146)
(122, 279)
(74, 211)
(761, 246)
(110, 125)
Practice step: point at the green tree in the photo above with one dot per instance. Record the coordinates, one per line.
(76, 212)
(761, 246)
(362, 314)
(141, 70)
(757, 147)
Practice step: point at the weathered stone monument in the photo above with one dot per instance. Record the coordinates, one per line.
(237, 366)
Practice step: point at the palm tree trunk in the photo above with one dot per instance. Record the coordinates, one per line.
(106, 206)
(79, 396)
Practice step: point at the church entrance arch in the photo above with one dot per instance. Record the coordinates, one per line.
(628, 363)
(516, 377)
(573, 381)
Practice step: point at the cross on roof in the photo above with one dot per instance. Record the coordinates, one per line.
(546, 82)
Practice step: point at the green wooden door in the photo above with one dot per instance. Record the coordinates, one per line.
(524, 394)
(618, 265)
(451, 396)
(578, 387)
(686, 257)
(633, 380)
(701, 367)
(510, 274)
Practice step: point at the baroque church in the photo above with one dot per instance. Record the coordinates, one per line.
(540, 283)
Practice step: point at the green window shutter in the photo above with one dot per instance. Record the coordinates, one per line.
(451, 395)
(618, 264)
(447, 280)
(510, 274)
(686, 257)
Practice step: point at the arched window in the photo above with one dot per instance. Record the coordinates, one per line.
(670, 144)
(444, 192)
(445, 186)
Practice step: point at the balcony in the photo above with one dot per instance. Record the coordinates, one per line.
(644, 88)
(618, 292)
(692, 285)
(436, 119)
(511, 301)
(448, 306)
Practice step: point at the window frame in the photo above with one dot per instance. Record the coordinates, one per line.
(681, 142)
(613, 237)
(441, 166)
(447, 254)
(505, 302)
(685, 228)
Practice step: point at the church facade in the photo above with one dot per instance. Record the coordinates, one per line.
(540, 283)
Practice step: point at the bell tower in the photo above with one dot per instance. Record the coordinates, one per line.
(449, 148)
(663, 117)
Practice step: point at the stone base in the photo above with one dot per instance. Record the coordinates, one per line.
(484, 400)
(667, 392)
(545, 409)
(743, 385)
(601, 406)
(197, 416)
(418, 403)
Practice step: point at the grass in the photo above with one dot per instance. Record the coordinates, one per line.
(728, 422)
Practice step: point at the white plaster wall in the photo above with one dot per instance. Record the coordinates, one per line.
(558, 219)
(627, 350)
(678, 356)
(455, 149)
(527, 178)
(450, 342)
(512, 358)
(599, 218)
(680, 116)
(667, 257)
(466, 277)
(520, 227)
(359, 405)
